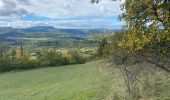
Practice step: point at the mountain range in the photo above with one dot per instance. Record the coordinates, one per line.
(11, 35)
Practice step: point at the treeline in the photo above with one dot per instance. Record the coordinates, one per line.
(21, 58)
(66, 42)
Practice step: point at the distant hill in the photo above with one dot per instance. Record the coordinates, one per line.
(39, 29)
(5, 30)
(9, 34)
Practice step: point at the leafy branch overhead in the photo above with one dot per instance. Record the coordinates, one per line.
(147, 30)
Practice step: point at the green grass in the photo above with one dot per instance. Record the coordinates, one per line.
(78, 82)
(74, 82)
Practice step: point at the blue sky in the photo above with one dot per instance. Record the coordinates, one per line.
(60, 13)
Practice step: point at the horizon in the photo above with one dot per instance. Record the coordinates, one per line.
(61, 28)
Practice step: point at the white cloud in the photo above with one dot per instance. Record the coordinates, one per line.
(9, 10)
(1, 4)
(70, 8)
(12, 10)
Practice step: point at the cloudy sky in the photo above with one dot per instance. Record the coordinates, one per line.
(60, 13)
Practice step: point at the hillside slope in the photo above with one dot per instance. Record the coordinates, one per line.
(75, 82)
(78, 82)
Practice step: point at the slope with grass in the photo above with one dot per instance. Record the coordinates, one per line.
(79, 82)
(74, 82)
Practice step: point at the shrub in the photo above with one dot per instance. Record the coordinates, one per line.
(51, 58)
(5, 64)
(77, 58)
(14, 60)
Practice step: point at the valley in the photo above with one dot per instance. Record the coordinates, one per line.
(48, 36)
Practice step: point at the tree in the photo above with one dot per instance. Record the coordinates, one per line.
(147, 34)
(3, 48)
(148, 30)
(145, 40)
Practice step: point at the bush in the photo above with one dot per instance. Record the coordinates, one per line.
(51, 58)
(5, 64)
(14, 60)
(77, 58)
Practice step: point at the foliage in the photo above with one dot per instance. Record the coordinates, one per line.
(77, 58)
(145, 40)
(51, 57)
(147, 31)
(3, 47)
(21, 59)
(104, 48)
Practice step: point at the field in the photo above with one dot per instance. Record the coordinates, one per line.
(89, 81)
(73, 82)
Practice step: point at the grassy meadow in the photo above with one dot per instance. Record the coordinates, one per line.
(89, 81)
(73, 82)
